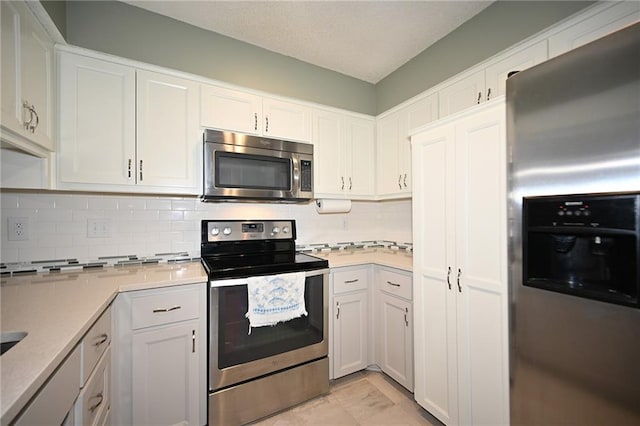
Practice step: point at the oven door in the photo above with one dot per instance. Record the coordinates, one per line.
(236, 356)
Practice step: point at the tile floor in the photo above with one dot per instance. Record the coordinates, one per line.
(363, 398)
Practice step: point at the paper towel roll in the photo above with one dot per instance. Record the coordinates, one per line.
(333, 206)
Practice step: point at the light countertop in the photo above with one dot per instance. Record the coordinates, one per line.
(56, 310)
(399, 259)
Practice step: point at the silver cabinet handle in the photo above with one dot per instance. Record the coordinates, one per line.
(448, 277)
(350, 184)
(266, 127)
(351, 281)
(173, 308)
(140, 170)
(32, 128)
(32, 112)
(25, 105)
(193, 341)
(129, 169)
(103, 338)
(400, 181)
(95, 406)
(255, 121)
(342, 180)
(489, 93)
(405, 180)
(393, 284)
(338, 306)
(479, 97)
(458, 280)
(406, 321)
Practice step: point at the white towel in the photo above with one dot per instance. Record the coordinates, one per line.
(275, 298)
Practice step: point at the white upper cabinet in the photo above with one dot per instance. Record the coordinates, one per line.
(238, 111)
(489, 82)
(344, 155)
(228, 109)
(126, 129)
(168, 135)
(97, 121)
(27, 81)
(592, 26)
(393, 165)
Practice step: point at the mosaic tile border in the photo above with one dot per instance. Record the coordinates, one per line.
(65, 265)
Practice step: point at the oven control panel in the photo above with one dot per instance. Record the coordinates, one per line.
(242, 230)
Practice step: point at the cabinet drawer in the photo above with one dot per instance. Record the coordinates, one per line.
(350, 280)
(53, 401)
(94, 401)
(94, 343)
(395, 283)
(164, 308)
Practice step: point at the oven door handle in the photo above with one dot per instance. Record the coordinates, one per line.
(243, 281)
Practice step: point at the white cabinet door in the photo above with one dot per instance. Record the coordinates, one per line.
(388, 179)
(11, 88)
(360, 137)
(394, 147)
(165, 378)
(286, 120)
(481, 269)
(594, 26)
(350, 350)
(460, 294)
(228, 109)
(462, 94)
(327, 153)
(436, 379)
(97, 121)
(496, 74)
(27, 81)
(395, 332)
(36, 67)
(167, 132)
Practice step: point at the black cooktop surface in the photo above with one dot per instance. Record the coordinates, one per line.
(245, 265)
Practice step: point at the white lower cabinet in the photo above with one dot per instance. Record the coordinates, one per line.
(460, 268)
(393, 319)
(349, 341)
(159, 357)
(165, 369)
(77, 393)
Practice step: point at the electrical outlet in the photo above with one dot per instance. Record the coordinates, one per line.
(98, 228)
(18, 228)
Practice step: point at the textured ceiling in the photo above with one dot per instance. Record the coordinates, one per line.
(364, 39)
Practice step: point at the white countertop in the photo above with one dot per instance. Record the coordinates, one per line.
(399, 259)
(56, 310)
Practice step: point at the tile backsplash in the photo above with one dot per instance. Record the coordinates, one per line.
(58, 224)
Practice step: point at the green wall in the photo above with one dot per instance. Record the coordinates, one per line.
(499, 26)
(130, 32)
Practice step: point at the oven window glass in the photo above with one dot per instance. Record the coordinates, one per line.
(237, 346)
(245, 171)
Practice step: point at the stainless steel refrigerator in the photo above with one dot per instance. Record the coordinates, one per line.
(573, 128)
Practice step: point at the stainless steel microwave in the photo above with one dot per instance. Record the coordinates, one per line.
(239, 167)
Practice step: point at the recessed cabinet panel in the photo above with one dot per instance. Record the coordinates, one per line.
(350, 330)
(286, 120)
(395, 332)
(165, 367)
(228, 109)
(167, 125)
(97, 121)
(462, 94)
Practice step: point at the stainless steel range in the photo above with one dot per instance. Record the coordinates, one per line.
(255, 371)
